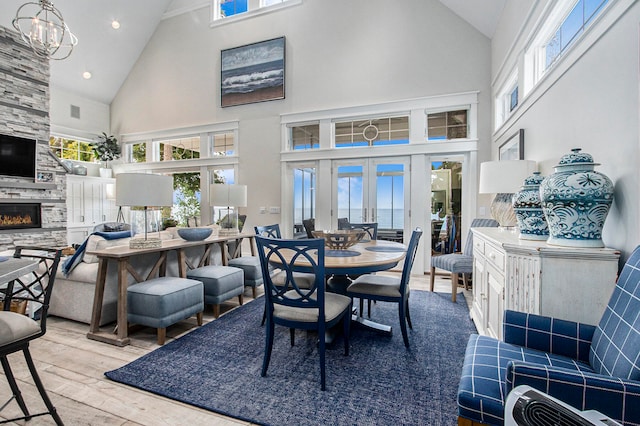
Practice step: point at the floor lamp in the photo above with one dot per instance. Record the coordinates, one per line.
(504, 178)
(231, 196)
(147, 191)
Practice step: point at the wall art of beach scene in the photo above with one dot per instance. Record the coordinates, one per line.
(253, 73)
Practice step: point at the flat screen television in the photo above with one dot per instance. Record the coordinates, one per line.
(17, 156)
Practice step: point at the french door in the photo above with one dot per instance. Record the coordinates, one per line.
(373, 190)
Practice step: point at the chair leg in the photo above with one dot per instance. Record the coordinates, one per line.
(321, 349)
(40, 386)
(361, 307)
(403, 323)
(292, 336)
(162, 335)
(268, 345)
(465, 280)
(408, 315)
(14, 387)
(454, 286)
(346, 320)
(432, 277)
(369, 307)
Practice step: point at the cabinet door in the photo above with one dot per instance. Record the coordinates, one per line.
(75, 202)
(76, 235)
(479, 305)
(495, 302)
(93, 198)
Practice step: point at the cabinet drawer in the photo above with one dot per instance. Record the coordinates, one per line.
(478, 246)
(495, 256)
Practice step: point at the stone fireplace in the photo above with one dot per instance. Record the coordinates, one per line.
(31, 212)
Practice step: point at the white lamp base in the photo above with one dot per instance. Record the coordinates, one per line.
(141, 243)
(502, 210)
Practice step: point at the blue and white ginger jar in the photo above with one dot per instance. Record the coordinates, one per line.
(528, 209)
(576, 200)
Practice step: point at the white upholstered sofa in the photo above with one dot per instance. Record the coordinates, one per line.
(73, 295)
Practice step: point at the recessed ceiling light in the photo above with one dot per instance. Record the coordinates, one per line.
(115, 24)
(86, 75)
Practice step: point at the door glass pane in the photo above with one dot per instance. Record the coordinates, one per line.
(350, 194)
(446, 206)
(390, 196)
(304, 200)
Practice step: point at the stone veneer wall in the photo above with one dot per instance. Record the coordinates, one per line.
(24, 112)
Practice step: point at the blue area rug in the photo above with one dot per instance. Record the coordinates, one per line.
(217, 367)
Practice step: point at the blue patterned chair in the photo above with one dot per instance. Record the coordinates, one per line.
(588, 367)
(459, 263)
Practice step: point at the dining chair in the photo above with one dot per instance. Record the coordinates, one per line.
(294, 306)
(270, 231)
(309, 226)
(370, 228)
(34, 291)
(459, 263)
(390, 289)
(343, 223)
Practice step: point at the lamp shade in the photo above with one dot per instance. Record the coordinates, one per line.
(504, 177)
(142, 189)
(222, 194)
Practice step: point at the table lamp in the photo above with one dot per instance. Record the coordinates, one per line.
(144, 190)
(222, 194)
(504, 178)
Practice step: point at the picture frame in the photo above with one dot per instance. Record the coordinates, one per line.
(44, 177)
(513, 147)
(252, 73)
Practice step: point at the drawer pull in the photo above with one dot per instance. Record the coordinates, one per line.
(492, 256)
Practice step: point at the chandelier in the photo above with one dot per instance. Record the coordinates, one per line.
(42, 27)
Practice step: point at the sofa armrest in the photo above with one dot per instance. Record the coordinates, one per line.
(552, 335)
(615, 397)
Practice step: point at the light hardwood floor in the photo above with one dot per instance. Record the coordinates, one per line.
(72, 368)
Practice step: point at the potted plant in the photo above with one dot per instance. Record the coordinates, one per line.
(105, 150)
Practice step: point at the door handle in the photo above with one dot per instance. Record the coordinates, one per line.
(373, 215)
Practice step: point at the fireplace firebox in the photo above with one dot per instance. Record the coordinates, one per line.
(20, 216)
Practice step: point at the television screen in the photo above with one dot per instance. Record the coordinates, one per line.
(17, 156)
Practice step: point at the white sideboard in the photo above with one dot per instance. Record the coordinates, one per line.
(90, 201)
(535, 277)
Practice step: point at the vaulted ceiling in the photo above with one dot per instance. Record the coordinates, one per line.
(110, 54)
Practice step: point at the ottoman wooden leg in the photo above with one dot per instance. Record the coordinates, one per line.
(254, 291)
(199, 318)
(162, 335)
(241, 298)
(216, 311)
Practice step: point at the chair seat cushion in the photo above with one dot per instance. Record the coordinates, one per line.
(375, 285)
(334, 305)
(458, 263)
(482, 389)
(14, 326)
(302, 279)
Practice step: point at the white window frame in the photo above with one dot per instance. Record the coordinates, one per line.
(503, 99)
(254, 8)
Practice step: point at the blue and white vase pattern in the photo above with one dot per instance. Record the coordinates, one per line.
(576, 200)
(528, 209)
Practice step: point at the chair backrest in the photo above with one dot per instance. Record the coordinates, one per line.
(616, 341)
(477, 223)
(270, 231)
(343, 223)
(370, 228)
(284, 254)
(38, 285)
(408, 260)
(309, 225)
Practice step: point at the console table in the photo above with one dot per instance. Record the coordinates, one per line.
(122, 254)
(535, 277)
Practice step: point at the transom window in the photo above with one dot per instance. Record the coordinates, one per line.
(226, 8)
(447, 125)
(231, 7)
(180, 149)
(138, 153)
(70, 149)
(304, 137)
(372, 132)
(223, 144)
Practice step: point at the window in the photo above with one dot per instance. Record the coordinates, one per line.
(226, 8)
(70, 149)
(180, 149)
(571, 28)
(447, 125)
(138, 153)
(223, 144)
(507, 99)
(304, 200)
(372, 132)
(304, 137)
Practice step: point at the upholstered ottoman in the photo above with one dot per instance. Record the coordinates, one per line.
(161, 302)
(252, 271)
(221, 283)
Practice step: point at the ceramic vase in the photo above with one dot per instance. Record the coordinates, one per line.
(576, 200)
(528, 209)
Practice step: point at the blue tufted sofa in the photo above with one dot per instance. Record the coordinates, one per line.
(588, 367)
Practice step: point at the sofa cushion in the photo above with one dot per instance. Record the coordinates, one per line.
(482, 390)
(96, 242)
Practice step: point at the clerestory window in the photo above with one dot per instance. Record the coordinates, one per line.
(221, 9)
(71, 149)
(447, 125)
(372, 132)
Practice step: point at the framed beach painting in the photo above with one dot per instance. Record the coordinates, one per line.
(513, 148)
(252, 73)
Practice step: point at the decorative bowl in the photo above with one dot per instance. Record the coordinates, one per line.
(341, 239)
(194, 234)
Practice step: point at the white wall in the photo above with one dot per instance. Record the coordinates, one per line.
(94, 116)
(594, 106)
(337, 54)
